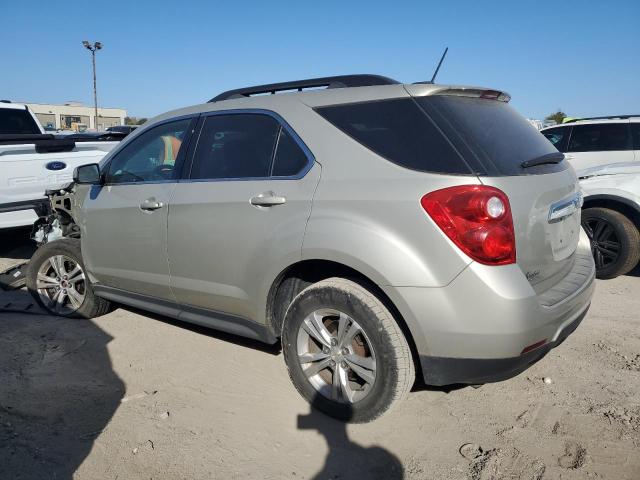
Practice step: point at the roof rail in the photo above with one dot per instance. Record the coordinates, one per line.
(5, 101)
(340, 81)
(609, 117)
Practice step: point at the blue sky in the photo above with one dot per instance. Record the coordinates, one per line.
(581, 56)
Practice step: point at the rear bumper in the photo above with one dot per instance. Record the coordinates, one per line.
(447, 371)
(476, 329)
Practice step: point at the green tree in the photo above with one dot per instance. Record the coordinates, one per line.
(134, 120)
(556, 117)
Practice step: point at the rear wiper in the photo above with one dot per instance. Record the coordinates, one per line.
(555, 157)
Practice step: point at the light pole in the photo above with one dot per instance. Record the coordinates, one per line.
(92, 48)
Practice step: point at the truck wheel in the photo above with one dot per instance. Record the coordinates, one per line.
(345, 352)
(57, 280)
(615, 241)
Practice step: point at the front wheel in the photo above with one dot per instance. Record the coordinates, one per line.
(615, 241)
(345, 352)
(57, 280)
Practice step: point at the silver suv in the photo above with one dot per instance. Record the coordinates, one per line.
(379, 231)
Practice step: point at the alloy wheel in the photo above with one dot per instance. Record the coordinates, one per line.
(605, 244)
(61, 284)
(336, 356)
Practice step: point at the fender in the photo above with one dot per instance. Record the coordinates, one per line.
(616, 198)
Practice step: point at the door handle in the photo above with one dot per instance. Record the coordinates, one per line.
(151, 204)
(267, 199)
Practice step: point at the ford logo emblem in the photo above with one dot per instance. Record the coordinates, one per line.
(56, 166)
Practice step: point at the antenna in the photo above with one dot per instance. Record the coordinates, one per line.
(439, 64)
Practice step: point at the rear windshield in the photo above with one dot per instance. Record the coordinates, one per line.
(17, 121)
(490, 132)
(446, 134)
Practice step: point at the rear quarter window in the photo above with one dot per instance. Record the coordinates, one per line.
(399, 131)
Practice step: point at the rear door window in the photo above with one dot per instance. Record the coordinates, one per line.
(558, 136)
(400, 132)
(17, 121)
(600, 138)
(235, 146)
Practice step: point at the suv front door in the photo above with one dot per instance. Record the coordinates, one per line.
(124, 229)
(239, 216)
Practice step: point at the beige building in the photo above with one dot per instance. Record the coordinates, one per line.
(75, 114)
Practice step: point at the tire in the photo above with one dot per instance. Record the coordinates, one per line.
(615, 241)
(78, 299)
(379, 344)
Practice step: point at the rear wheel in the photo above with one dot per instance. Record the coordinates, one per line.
(345, 353)
(615, 241)
(57, 280)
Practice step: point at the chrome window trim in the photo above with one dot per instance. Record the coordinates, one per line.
(255, 111)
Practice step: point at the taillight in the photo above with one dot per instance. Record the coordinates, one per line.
(477, 218)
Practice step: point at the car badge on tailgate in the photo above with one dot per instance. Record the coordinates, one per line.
(55, 165)
(565, 208)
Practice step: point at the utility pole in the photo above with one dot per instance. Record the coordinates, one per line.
(92, 48)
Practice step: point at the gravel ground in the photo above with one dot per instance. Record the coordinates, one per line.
(133, 395)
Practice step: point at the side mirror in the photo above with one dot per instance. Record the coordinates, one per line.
(87, 174)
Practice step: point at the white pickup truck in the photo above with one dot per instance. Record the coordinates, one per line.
(32, 162)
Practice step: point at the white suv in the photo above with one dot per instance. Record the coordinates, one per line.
(605, 152)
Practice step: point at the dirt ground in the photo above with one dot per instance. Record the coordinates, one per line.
(138, 396)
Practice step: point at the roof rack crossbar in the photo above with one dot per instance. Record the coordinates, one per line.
(340, 81)
(608, 117)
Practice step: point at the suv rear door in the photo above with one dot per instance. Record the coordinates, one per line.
(239, 216)
(595, 144)
(124, 224)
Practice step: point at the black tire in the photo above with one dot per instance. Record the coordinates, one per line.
(395, 371)
(615, 241)
(91, 306)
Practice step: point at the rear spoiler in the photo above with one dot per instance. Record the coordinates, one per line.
(421, 89)
(44, 143)
(474, 92)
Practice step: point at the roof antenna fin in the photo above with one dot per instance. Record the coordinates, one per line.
(439, 65)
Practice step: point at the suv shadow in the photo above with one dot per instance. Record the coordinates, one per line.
(59, 390)
(347, 459)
